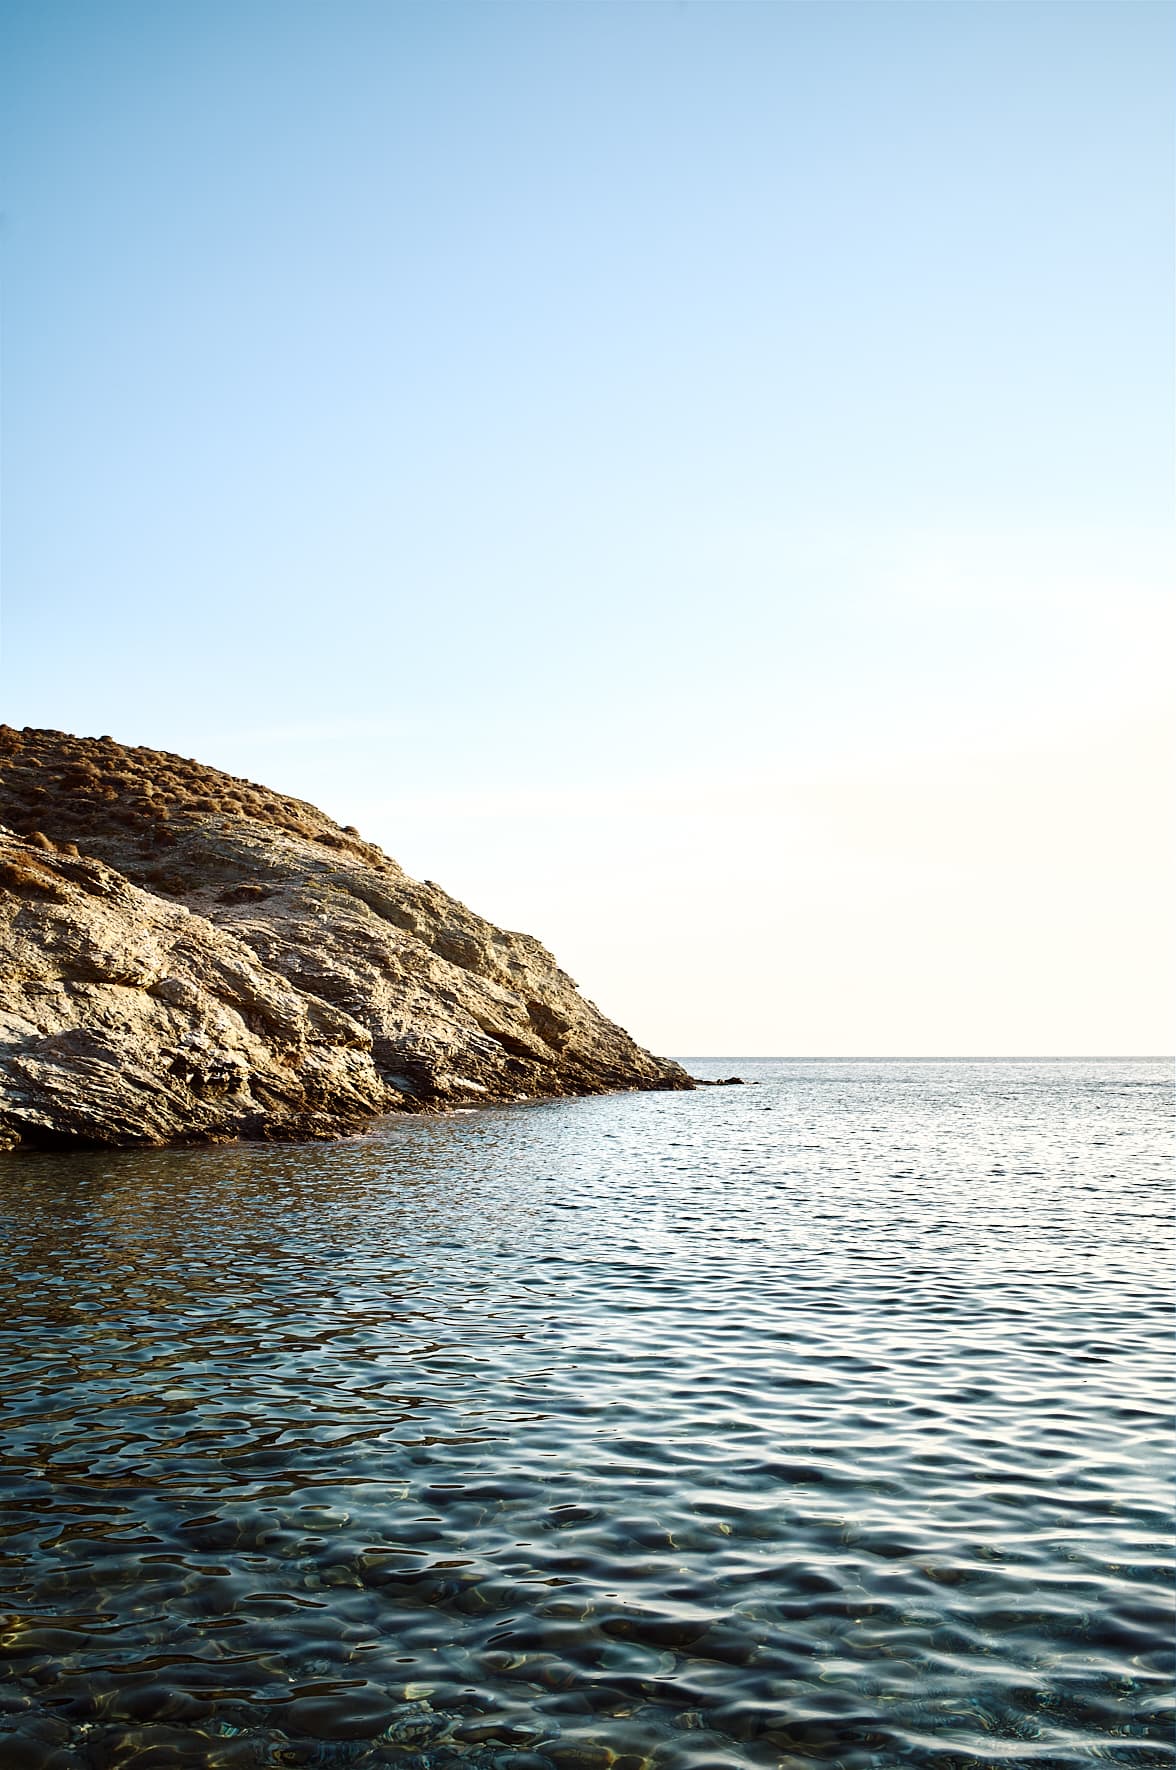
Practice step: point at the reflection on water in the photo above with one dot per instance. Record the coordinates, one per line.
(821, 1421)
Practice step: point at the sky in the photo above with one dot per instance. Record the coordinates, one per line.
(693, 479)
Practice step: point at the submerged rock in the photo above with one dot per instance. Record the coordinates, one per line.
(185, 956)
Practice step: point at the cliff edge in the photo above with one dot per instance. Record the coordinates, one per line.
(185, 956)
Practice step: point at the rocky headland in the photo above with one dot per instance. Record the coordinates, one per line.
(189, 957)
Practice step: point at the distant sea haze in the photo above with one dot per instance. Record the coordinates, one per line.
(823, 1420)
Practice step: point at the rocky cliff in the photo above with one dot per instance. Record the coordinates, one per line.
(185, 956)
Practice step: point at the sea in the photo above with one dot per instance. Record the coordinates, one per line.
(821, 1420)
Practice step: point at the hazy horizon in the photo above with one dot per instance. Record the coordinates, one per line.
(694, 480)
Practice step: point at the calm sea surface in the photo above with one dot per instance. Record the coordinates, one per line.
(821, 1421)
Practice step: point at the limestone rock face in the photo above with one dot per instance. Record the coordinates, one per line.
(125, 1019)
(185, 956)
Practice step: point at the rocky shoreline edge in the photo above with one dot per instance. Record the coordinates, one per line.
(188, 957)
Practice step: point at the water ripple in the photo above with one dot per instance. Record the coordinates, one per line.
(822, 1421)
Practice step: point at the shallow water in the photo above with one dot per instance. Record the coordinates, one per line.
(822, 1421)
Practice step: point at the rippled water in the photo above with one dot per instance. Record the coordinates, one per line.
(819, 1421)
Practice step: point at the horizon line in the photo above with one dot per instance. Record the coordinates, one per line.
(924, 1057)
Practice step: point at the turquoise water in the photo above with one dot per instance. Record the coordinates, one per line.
(824, 1421)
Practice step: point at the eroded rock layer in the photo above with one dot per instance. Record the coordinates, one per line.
(187, 956)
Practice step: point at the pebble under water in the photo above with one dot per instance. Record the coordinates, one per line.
(824, 1421)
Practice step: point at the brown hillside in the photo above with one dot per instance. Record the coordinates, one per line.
(80, 789)
(390, 993)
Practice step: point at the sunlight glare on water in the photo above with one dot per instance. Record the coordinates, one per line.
(824, 1420)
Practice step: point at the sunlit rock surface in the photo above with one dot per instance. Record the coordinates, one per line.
(187, 956)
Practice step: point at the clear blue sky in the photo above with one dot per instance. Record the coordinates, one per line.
(604, 449)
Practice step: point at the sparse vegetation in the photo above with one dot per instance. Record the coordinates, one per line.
(71, 789)
(24, 874)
